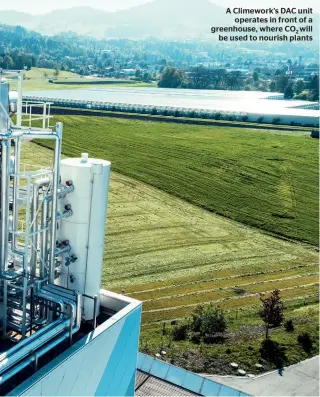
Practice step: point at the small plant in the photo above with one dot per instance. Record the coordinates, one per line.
(195, 337)
(306, 342)
(288, 326)
(180, 332)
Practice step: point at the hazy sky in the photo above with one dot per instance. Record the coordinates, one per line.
(42, 6)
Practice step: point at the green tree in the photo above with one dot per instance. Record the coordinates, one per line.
(255, 76)
(288, 92)
(299, 86)
(8, 62)
(171, 78)
(314, 87)
(138, 73)
(272, 312)
(56, 72)
(282, 82)
(272, 86)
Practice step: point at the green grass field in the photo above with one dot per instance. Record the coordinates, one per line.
(35, 81)
(165, 248)
(265, 179)
(174, 255)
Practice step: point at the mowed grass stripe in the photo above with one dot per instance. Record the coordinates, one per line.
(228, 270)
(265, 179)
(222, 282)
(219, 293)
(228, 304)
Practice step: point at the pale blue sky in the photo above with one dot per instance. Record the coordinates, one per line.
(43, 6)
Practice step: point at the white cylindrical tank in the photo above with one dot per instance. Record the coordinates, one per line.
(85, 229)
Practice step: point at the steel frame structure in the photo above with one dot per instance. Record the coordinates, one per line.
(35, 313)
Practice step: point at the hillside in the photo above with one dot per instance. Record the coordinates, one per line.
(165, 18)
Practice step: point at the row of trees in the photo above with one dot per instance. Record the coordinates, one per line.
(201, 77)
(297, 88)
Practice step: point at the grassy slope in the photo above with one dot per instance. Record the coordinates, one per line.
(35, 81)
(265, 179)
(173, 255)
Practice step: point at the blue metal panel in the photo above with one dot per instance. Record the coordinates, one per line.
(159, 369)
(127, 363)
(146, 364)
(210, 388)
(176, 375)
(131, 388)
(228, 391)
(193, 382)
(113, 374)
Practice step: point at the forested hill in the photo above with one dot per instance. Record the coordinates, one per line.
(21, 48)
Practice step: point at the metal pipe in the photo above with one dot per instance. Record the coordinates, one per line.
(11, 359)
(64, 214)
(4, 223)
(61, 251)
(45, 337)
(44, 237)
(5, 158)
(15, 195)
(34, 357)
(54, 208)
(10, 276)
(95, 304)
(19, 104)
(34, 226)
(25, 342)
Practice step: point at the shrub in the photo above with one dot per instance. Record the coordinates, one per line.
(288, 326)
(208, 321)
(154, 111)
(195, 337)
(273, 352)
(260, 119)
(180, 332)
(276, 120)
(217, 116)
(306, 342)
(244, 118)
